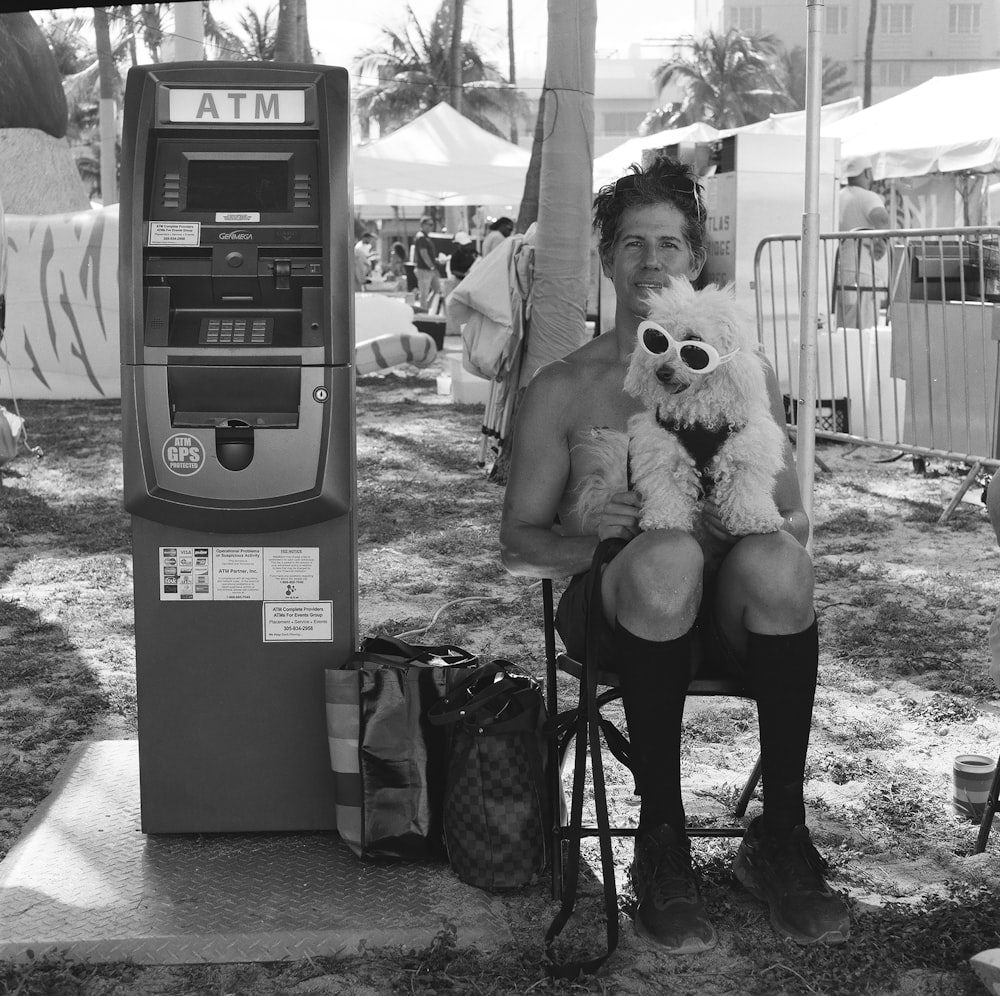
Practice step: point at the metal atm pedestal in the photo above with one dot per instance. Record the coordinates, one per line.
(238, 436)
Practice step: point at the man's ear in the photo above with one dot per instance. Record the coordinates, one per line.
(606, 267)
(698, 259)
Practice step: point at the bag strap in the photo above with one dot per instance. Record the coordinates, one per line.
(458, 703)
(588, 735)
(392, 645)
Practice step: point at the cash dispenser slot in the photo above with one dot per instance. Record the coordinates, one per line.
(234, 397)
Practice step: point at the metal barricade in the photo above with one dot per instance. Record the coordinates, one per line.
(908, 339)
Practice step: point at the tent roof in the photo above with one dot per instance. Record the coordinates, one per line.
(796, 122)
(440, 157)
(616, 162)
(948, 123)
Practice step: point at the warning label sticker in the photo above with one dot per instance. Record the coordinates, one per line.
(175, 233)
(298, 622)
(239, 574)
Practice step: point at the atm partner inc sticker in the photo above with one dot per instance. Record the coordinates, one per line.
(183, 454)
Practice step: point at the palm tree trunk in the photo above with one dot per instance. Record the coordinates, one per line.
(189, 33)
(512, 76)
(107, 110)
(455, 56)
(866, 98)
(291, 43)
(528, 211)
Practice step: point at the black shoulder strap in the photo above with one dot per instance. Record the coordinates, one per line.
(588, 735)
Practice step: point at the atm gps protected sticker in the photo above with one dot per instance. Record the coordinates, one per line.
(175, 233)
(298, 622)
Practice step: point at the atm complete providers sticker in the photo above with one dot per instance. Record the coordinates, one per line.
(284, 579)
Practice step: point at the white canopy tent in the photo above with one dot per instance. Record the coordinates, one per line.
(615, 163)
(948, 124)
(440, 157)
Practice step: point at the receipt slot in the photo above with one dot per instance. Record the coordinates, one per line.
(238, 435)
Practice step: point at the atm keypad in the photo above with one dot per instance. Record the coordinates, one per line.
(245, 331)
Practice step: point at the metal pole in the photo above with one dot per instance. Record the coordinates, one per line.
(805, 441)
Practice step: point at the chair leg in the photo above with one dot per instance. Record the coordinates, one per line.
(988, 812)
(748, 790)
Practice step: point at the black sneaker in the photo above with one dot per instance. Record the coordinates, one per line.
(670, 911)
(787, 874)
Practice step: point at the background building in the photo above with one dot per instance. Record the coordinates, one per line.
(914, 39)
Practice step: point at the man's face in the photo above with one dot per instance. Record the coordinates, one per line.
(650, 249)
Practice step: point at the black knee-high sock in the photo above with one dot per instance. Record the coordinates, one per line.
(654, 678)
(783, 677)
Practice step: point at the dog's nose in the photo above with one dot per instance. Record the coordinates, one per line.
(665, 374)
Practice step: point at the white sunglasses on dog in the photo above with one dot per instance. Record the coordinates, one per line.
(699, 357)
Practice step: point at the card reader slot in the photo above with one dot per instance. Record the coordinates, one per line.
(259, 397)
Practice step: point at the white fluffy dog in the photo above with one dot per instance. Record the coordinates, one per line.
(707, 428)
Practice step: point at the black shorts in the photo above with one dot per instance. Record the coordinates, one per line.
(712, 656)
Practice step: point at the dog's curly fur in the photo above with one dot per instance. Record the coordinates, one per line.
(726, 413)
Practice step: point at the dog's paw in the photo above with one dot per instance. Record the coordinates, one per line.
(743, 518)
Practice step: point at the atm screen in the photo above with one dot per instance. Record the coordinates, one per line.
(231, 184)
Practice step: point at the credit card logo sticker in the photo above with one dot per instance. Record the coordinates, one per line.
(183, 454)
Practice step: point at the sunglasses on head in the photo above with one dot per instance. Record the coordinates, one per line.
(680, 184)
(699, 357)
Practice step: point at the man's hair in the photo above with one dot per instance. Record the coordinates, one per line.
(665, 181)
(427, 219)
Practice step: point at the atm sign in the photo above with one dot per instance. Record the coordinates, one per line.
(227, 106)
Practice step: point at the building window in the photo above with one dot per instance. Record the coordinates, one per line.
(963, 18)
(894, 74)
(836, 19)
(896, 19)
(748, 20)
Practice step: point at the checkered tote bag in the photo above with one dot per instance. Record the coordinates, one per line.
(496, 823)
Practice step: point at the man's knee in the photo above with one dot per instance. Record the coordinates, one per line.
(774, 575)
(656, 582)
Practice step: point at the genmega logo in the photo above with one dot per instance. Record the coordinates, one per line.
(236, 236)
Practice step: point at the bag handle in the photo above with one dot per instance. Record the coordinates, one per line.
(457, 703)
(588, 734)
(381, 645)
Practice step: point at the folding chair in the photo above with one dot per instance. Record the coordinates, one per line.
(585, 723)
(988, 812)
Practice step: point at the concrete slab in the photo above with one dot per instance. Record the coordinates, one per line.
(83, 881)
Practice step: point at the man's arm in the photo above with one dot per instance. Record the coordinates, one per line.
(539, 472)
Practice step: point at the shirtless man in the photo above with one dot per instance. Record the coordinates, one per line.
(746, 601)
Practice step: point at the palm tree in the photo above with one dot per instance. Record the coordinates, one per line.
(728, 80)
(793, 65)
(291, 42)
(413, 69)
(257, 35)
(866, 98)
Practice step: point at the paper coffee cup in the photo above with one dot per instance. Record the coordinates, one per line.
(973, 776)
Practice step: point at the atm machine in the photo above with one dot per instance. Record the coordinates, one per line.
(238, 435)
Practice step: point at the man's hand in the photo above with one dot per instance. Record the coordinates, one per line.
(713, 524)
(620, 518)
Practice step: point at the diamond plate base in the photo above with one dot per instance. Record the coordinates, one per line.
(85, 882)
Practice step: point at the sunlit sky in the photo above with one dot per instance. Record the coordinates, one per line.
(339, 29)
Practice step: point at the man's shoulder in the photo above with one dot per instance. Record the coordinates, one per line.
(578, 374)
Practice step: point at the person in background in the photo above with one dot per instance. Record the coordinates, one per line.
(397, 265)
(745, 600)
(464, 256)
(362, 260)
(428, 281)
(862, 264)
(500, 229)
